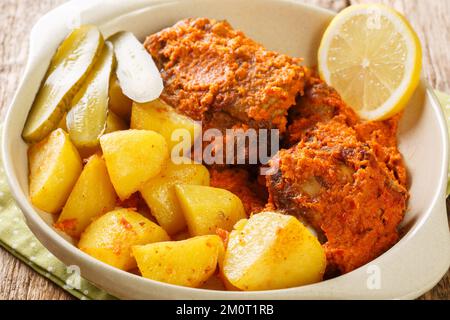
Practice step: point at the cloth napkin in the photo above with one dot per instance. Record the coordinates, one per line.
(18, 239)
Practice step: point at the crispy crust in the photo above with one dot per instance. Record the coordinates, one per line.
(345, 177)
(207, 67)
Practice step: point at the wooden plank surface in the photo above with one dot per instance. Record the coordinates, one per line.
(17, 280)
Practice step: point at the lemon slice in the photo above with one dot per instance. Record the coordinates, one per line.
(372, 57)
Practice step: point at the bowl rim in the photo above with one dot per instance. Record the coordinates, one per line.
(34, 219)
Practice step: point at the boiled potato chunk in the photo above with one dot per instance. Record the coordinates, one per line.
(54, 165)
(111, 237)
(159, 193)
(92, 196)
(206, 208)
(272, 251)
(119, 103)
(69, 67)
(114, 123)
(162, 118)
(186, 263)
(133, 157)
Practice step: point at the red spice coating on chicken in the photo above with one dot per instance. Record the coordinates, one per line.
(207, 66)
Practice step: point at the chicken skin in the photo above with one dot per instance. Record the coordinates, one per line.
(344, 177)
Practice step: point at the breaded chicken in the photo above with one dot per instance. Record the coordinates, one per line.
(344, 177)
(207, 67)
(321, 103)
(238, 142)
(382, 137)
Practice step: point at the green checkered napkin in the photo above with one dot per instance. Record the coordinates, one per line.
(20, 241)
(17, 238)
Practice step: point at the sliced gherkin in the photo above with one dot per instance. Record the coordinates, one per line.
(68, 68)
(119, 103)
(136, 71)
(86, 120)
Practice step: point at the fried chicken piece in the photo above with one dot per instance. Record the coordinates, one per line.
(239, 181)
(336, 183)
(221, 121)
(382, 137)
(207, 67)
(321, 103)
(344, 177)
(236, 141)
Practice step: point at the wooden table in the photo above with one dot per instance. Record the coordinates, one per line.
(18, 281)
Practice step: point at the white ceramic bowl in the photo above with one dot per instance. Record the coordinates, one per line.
(411, 267)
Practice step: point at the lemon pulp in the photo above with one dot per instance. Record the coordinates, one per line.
(371, 55)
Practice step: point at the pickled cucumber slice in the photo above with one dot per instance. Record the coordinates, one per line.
(62, 123)
(86, 120)
(119, 103)
(69, 67)
(138, 75)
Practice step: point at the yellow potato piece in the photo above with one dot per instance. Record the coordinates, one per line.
(114, 123)
(206, 208)
(162, 118)
(186, 263)
(111, 237)
(86, 152)
(119, 103)
(272, 251)
(92, 196)
(159, 193)
(133, 157)
(54, 165)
